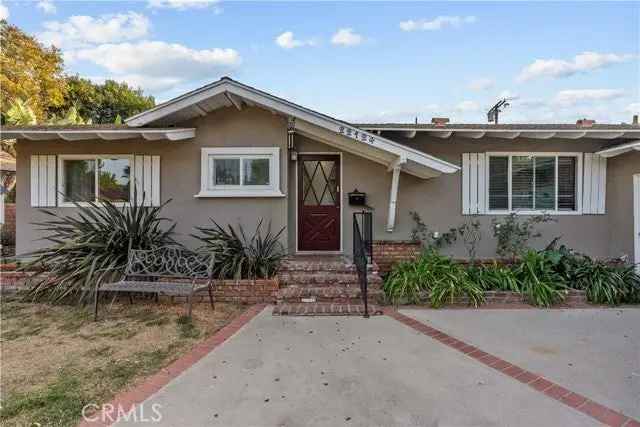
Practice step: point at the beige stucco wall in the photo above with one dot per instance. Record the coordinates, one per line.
(438, 200)
(620, 202)
(180, 173)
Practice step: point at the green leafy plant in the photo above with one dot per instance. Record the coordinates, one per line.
(431, 275)
(494, 277)
(471, 235)
(539, 280)
(606, 283)
(238, 257)
(513, 233)
(91, 247)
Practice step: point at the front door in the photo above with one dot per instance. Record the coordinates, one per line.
(318, 202)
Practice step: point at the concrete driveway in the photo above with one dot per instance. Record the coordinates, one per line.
(327, 371)
(595, 352)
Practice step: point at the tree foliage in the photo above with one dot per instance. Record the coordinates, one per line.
(32, 81)
(30, 72)
(103, 103)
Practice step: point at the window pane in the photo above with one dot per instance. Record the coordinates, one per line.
(227, 171)
(522, 182)
(498, 183)
(545, 183)
(567, 183)
(256, 172)
(79, 180)
(114, 180)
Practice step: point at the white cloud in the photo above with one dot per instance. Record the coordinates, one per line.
(582, 63)
(4, 11)
(46, 6)
(481, 84)
(81, 31)
(182, 4)
(438, 23)
(346, 37)
(633, 108)
(467, 107)
(572, 97)
(286, 40)
(156, 65)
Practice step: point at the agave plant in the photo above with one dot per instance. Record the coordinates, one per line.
(239, 257)
(91, 247)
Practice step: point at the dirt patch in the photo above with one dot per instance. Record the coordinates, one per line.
(54, 357)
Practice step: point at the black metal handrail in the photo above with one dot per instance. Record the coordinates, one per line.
(363, 251)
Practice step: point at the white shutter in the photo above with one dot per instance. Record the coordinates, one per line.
(594, 192)
(43, 181)
(474, 194)
(147, 179)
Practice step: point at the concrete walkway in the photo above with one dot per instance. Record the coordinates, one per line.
(324, 371)
(595, 352)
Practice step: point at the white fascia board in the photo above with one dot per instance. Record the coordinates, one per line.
(105, 134)
(620, 149)
(525, 133)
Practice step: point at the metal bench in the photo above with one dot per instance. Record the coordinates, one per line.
(171, 270)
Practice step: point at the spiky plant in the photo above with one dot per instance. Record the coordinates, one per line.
(91, 247)
(240, 257)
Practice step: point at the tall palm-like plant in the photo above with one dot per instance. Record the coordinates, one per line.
(20, 114)
(240, 257)
(91, 247)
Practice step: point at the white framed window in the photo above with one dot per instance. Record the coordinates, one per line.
(84, 178)
(532, 183)
(240, 172)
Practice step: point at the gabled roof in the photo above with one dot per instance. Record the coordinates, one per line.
(509, 131)
(230, 93)
(94, 132)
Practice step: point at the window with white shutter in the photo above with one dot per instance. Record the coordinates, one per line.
(595, 184)
(43, 180)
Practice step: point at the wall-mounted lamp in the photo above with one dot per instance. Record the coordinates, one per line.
(294, 155)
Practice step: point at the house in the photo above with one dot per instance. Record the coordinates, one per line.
(236, 154)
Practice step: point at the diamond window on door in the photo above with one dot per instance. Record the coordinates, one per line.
(319, 183)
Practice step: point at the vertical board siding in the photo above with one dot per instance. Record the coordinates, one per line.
(51, 181)
(34, 180)
(465, 183)
(594, 192)
(155, 186)
(146, 181)
(474, 167)
(138, 178)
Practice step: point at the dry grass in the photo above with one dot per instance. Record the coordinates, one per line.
(55, 359)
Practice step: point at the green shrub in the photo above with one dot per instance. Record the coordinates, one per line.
(238, 257)
(432, 275)
(513, 233)
(539, 280)
(91, 247)
(494, 277)
(605, 283)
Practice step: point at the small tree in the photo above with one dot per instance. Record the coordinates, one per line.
(471, 236)
(428, 239)
(512, 233)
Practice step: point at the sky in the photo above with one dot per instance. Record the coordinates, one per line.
(363, 61)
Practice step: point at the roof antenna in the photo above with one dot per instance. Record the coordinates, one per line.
(416, 119)
(492, 115)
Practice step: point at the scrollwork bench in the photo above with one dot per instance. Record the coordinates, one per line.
(170, 271)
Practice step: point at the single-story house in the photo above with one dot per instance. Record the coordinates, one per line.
(235, 153)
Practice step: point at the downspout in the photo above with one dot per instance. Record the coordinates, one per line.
(396, 166)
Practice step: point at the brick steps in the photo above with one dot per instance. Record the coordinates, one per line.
(323, 309)
(335, 294)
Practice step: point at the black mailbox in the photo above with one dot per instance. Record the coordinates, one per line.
(357, 198)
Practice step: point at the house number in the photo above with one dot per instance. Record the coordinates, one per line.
(356, 134)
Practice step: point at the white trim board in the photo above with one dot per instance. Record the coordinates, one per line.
(636, 220)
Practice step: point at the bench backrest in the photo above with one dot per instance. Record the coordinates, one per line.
(170, 261)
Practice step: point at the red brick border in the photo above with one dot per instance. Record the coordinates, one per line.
(574, 400)
(128, 399)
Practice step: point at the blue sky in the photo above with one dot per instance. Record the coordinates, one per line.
(363, 61)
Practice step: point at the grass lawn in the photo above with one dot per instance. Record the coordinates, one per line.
(55, 359)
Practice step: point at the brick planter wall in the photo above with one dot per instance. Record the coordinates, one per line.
(574, 298)
(386, 253)
(240, 292)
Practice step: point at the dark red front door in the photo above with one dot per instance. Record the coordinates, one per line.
(318, 202)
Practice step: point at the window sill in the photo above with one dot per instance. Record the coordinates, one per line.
(552, 213)
(238, 193)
